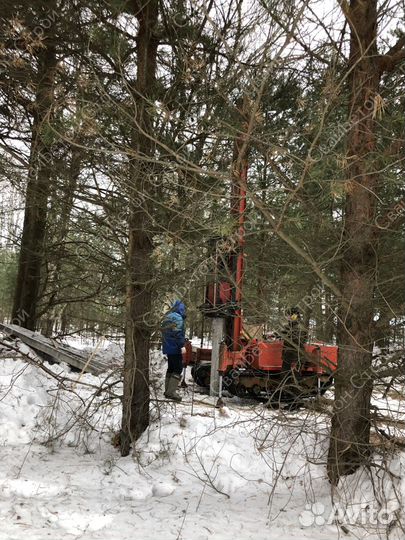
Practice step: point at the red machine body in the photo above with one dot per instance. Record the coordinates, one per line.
(253, 370)
(268, 356)
(265, 356)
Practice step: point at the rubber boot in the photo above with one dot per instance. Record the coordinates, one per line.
(173, 383)
(166, 383)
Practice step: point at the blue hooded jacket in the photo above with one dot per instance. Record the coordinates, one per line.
(173, 329)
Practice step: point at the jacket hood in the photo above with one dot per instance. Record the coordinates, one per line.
(179, 307)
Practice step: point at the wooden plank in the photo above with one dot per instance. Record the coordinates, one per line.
(57, 351)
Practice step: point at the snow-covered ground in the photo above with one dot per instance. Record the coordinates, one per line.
(198, 473)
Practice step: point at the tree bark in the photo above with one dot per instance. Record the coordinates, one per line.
(51, 289)
(135, 415)
(349, 444)
(26, 295)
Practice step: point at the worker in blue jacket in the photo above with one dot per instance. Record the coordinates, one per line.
(173, 334)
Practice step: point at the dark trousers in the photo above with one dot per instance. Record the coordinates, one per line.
(175, 364)
(289, 357)
(288, 390)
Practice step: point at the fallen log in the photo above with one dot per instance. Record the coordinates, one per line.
(55, 351)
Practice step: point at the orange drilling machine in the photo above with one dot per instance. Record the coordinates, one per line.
(248, 367)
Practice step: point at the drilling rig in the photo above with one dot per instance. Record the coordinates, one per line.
(244, 366)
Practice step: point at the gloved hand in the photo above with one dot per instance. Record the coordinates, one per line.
(183, 350)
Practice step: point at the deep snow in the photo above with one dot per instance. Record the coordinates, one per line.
(242, 472)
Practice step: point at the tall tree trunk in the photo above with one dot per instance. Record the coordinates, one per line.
(135, 415)
(349, 444)
(38, 188)
(63, 209)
